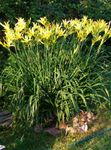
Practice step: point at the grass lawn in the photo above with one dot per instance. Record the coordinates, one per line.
(43, 141)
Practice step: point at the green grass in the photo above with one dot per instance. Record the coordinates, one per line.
(29, 141)
(43, 141)
(103, 143)
(46, 142)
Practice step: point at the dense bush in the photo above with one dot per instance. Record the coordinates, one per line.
(55, 9)
(55, 69)
(96, 9)
(10, 9)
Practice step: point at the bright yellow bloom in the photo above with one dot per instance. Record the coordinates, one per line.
(26, 39)
(18, 35)
(31, 32)
(96, 39)
(6, 26)
(58, 30)
(44, 21)
(48, 33)
(9, 35)
(78, 27)
(65, 23)
(20, 25)
(82, 35)
(84, 20)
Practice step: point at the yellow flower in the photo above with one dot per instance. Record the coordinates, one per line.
(6, 26)
(31, 32)
(102, 24)
(46, 34)
(58, 30)
(65, 23)
(26, 39)
(9, 35)
(82, 35)
(73, 22)
(18, 35)
(96, 39)
(20, 25)
(44, 21)
(1, 43)
(78, 26)
(109, 33)
(98, 26)
(84, 20)
(106, 30)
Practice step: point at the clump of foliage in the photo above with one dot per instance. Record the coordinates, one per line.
(12, 9)
(55, 69)
(55, 9)
(96, 9)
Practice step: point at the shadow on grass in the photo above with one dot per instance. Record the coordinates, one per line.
(43, 141)
(27, 141)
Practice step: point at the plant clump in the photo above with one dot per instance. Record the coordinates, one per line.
(55, 69)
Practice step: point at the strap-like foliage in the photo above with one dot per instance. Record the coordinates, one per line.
(55, 69)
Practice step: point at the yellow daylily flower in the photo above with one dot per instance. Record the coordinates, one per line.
(65, 23)
(1, 43)
(78, 27)
(58, 30)
(20, 25)
(46, 34)
(82, 35)
(6, 26)
(26, 40)
(18, 35)
(31, 32)
(43, 21)
(84, 20)
(96, 39)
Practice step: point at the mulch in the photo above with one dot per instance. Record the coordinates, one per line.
(5, 119)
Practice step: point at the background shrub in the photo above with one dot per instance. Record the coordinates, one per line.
(55, 9)
(96, 9)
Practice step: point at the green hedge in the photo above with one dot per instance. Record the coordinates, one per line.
(55, 9)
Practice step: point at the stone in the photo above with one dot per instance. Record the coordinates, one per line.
(5, 119)
(2, 147)
(38, 128)
(53, 131)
